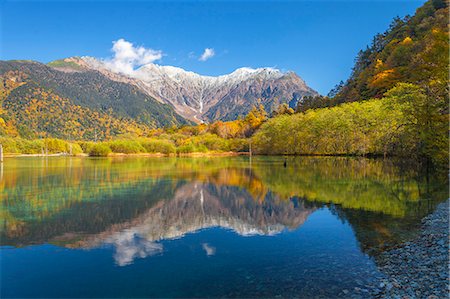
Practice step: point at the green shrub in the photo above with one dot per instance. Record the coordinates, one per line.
(186, 148)
(9, 145)
(54, 145)
(177, 138)
(22, 146)
(159, 146)
(99, 150)
(211, 142)
(126, 146)
(76, 148)
(238, 145)
(85, 145)
(201, 148)
(191, 148)
(30, 146)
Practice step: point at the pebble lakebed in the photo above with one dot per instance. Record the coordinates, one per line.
(418, 268)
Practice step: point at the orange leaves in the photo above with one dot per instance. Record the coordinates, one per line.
(384, 78)
(379, 64)
(230, 129)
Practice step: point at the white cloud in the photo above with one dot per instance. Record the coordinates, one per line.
(127, 57)
(207, 54)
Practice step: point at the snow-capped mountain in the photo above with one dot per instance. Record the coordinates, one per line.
(206, 98)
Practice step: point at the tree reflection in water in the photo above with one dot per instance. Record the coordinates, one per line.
(134, 203)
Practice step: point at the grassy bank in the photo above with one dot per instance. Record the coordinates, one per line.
(205, 145)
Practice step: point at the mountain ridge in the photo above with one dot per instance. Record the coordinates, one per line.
(40, 101)
(82, 98)
(201, 98)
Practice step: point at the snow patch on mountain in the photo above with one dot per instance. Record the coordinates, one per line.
(205, 98)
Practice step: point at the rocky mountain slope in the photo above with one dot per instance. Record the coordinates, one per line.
(204, 98)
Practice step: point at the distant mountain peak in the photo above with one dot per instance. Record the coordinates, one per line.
(198, 97)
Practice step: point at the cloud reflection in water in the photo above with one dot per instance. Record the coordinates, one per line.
(129, 246)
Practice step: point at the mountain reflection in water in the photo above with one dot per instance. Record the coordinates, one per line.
(204, 227)
(197, 206)
(134, 203)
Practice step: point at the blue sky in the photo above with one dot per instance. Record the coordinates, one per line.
(317, 39)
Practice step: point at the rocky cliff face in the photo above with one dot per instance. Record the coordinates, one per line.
(205, 98)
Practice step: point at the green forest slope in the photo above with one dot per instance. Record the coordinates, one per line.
(396, 100)
(37, 101)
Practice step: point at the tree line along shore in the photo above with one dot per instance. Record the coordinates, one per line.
(394, 104)
(406, 122)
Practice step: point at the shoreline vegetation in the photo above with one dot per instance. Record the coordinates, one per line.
(394, 104)
(403, 124)
(150, 155)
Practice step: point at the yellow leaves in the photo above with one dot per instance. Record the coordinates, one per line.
(230, 129)
(407, 41)
(384, 74)
(11, 80)
(39, 108)
(10, 128)
(256, 116)
(382, 78)
(379, 64)
(436, 31)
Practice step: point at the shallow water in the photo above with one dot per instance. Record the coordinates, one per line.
(204, 227)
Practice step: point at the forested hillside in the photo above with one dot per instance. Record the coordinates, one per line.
(40, 101)
(396, 99)
(413, 50)
(31, 111)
